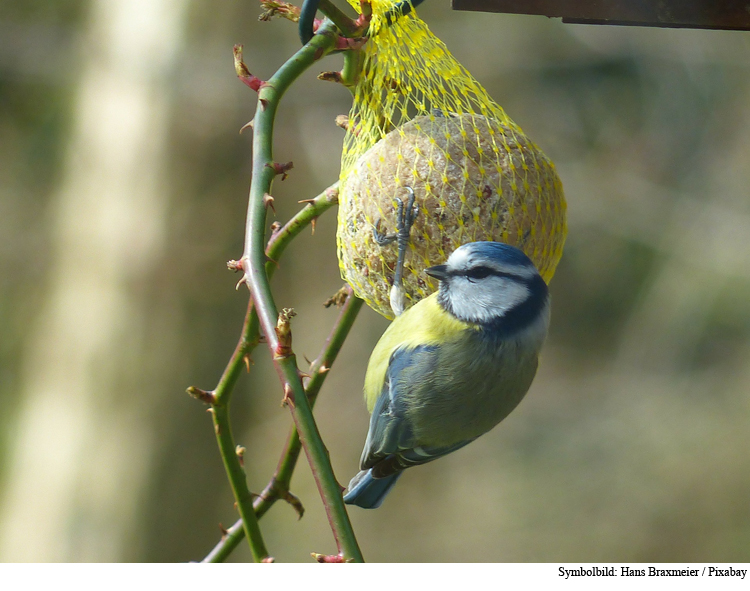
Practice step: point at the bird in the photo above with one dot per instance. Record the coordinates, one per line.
(452, 366)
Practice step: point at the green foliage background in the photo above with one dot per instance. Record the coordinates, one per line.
(632, 444)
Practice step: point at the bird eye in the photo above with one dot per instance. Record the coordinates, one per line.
(478, 273)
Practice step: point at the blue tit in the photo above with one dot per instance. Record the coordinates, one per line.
(453, 366)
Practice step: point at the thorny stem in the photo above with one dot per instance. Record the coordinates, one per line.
(254, 263)
(278, 487)
(249, 340)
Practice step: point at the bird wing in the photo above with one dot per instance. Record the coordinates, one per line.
(391, 446)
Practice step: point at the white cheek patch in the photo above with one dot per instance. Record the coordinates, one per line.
(486, 300)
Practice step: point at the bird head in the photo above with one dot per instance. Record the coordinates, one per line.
(491, 284)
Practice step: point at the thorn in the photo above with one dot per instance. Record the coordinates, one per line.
(324, 369)
(275, 226)
(303, 374)
(312, 224)
(307, 201)
(288, 396)
(242, 280)
(267, 560)
(240, 451)
(295, 503)
(342, 121)
(248, 361)
(224, 531)
(275, 262)
(331, 77)
(263, 103)
(243, 73)
(206, 396)
(268, 201)
(306, 359)
(281, 168)
(249, 125)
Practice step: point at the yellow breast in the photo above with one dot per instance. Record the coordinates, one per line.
(425, 323)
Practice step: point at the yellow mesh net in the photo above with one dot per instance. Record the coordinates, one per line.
(420, 120)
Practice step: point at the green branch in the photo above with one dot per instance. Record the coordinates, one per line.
(276, 327)
(220, 396)
(278, 487)
(238, 482)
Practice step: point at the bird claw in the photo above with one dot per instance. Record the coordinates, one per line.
(382, 239)
(405, 218)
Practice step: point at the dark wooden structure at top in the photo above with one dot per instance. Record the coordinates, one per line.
(694, 14)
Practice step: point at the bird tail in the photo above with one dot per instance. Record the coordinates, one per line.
(368, 492)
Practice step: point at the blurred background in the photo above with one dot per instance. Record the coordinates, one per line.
(123, 187)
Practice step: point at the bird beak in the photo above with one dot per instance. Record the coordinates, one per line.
(438, 272)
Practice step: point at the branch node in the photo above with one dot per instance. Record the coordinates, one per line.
(234, 265)
(284, 333)
(206, 396)
(338, 299)
(332, 194)
(240, 451)
(354, 43)
(365, 13)
(331, 77)
(275, 227)
(278, 8)
(281, 168)
(342, 121)
(335, 558)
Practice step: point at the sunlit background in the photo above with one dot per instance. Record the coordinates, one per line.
(123, 187)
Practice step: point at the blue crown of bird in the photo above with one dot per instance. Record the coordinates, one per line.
(452, 366)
